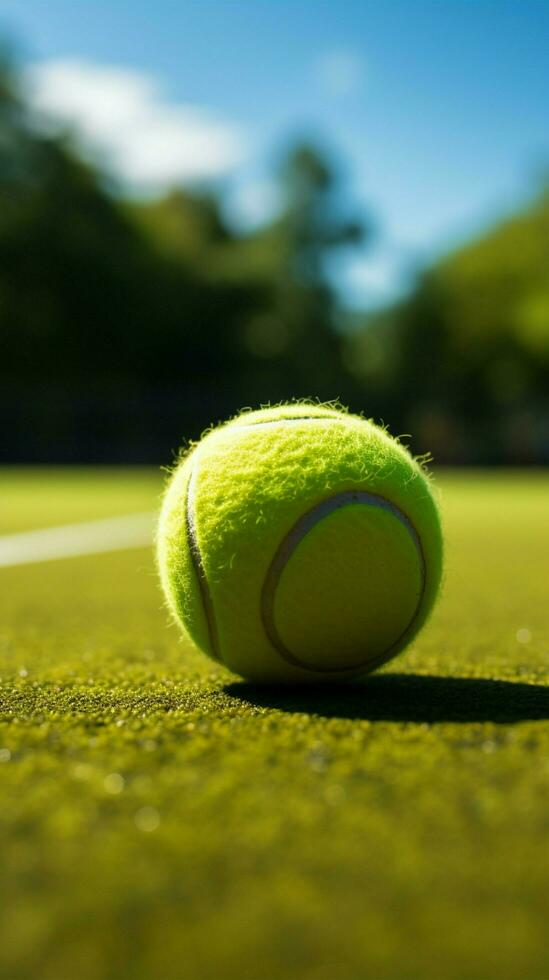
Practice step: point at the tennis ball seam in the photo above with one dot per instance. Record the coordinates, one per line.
(201, 545)
(296, 418)
(192, 535)
(194, 547)
(300, 529)
(305, 523)
(200, 571)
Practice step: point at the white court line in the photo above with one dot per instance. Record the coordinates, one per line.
(73, 540)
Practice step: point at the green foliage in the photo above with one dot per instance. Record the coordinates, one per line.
(160, 819)
(126, 326)
(464, 362)
(100, 329)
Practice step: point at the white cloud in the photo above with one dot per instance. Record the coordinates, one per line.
(339, 72)
(121, 117)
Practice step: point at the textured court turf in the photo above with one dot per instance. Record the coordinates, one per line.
(160, 819)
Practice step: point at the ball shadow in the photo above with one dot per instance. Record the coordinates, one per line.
(406, 697)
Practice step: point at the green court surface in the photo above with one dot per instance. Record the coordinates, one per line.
(161, 819)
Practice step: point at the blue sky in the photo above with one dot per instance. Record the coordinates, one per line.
(438, 110)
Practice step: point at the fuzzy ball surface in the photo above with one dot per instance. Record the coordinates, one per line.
(299, 544)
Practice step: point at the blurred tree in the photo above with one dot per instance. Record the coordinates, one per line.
(110, 346)
(469, 364)
(184, 227)
(285, 344)
(292, 336)
(124, 326)
(309, 228)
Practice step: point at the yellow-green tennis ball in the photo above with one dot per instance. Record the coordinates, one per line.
(299, 543)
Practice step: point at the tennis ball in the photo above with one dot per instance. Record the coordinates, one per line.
(298, 544)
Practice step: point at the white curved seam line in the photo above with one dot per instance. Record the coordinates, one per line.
(300, 529)
(304, 418)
